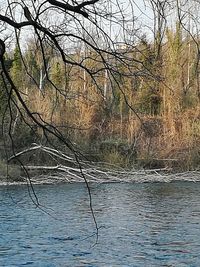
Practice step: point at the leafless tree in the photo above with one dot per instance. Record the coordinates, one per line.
(96, 25)
(109, 29)
(63, 25)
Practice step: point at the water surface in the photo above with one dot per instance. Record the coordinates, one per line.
(149, 224)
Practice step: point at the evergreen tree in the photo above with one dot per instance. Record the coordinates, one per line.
(16, 69)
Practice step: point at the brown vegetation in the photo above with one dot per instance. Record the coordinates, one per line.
(153, 121)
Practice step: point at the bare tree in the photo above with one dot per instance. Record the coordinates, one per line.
(91, 39)
(62, 26)
(105, 34)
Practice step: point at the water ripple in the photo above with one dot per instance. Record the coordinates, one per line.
(153, 225)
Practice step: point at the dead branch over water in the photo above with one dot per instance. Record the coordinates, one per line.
(96, 172)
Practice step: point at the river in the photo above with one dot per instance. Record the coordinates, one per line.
(140, 224)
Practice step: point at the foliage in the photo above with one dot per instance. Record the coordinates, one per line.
(16, 69)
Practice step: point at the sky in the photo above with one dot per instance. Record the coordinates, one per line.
(138, 19)
(142, 19)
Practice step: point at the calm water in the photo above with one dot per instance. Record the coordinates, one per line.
(155, 224)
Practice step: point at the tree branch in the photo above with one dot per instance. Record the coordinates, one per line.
(75, 9)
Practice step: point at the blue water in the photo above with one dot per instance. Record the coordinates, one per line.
(152, 224)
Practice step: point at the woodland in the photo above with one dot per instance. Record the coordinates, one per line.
(72, 93)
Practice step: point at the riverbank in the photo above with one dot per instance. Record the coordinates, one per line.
(67, 168)
(62, 174)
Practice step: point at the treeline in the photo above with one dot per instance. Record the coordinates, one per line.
(147, 118)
